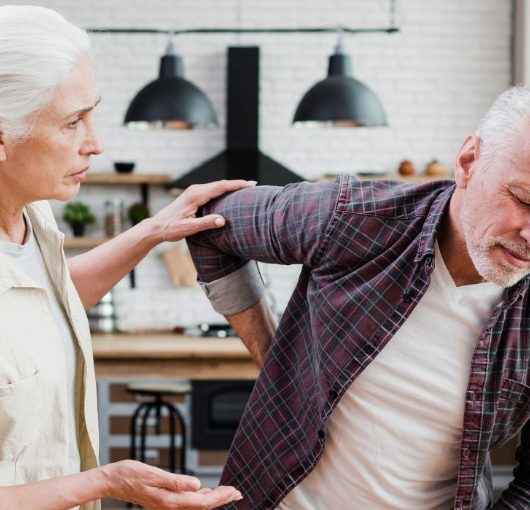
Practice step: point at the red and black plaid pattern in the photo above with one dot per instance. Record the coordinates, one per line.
(367, 250)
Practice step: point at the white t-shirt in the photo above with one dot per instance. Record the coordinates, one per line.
(394, 437)
(29, 260)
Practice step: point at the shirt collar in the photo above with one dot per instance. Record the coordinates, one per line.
(432, 223)
(50, 240)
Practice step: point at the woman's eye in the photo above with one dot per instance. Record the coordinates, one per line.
(522, 202)
(73, 124)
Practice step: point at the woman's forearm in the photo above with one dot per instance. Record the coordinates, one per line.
(95, 272)
(61, 493)
(127, 480)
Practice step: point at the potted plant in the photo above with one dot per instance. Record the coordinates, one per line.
(138, 212)
(78, 215)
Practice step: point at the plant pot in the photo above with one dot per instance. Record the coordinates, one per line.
(78, 229)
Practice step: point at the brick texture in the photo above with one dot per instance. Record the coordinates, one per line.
(435, 79)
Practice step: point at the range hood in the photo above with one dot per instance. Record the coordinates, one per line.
(242, 158)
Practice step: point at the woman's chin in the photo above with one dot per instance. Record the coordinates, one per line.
(67, 193)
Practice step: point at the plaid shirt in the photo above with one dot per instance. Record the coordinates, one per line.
(367, 250)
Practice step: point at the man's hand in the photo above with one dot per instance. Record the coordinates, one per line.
(155, 489)
(177, 220)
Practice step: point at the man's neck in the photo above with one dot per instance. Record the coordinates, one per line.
(453, 246)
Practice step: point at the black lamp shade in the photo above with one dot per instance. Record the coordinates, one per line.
(341, 100)
(170, 101)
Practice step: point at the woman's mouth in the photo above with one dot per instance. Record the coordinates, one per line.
(79, 176)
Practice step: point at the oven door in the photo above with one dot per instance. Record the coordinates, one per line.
(216, 408)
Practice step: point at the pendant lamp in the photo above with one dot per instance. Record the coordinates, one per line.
(340, 100)
(170, 101)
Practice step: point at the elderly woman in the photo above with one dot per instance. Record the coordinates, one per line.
(48, 421)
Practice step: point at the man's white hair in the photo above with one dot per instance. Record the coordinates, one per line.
(38, 49)
(502, 123)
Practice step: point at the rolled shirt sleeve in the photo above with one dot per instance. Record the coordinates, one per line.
(236, 291)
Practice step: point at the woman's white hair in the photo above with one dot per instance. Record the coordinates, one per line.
(38, 49)
(502, 123)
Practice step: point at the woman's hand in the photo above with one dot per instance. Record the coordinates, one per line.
(178, 220)
(155, 489)
(95, 272)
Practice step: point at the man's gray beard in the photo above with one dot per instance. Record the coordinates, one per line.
(480, 254)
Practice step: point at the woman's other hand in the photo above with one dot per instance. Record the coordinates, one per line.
(153, 488)
(177, 220)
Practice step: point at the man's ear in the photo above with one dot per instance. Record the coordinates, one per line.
(466, 159)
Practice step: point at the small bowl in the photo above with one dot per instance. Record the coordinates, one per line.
(124, 167)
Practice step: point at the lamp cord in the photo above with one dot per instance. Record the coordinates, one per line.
(392, 13)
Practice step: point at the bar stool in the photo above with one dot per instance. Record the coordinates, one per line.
(144, 411)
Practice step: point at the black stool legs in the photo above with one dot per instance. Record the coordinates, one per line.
(141, 415)
(174, 416)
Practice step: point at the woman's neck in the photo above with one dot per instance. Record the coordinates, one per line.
(12, 224)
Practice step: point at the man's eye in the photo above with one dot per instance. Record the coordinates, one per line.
(73, 124)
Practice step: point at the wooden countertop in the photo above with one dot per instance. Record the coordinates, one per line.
(164, 346)
(171, 356)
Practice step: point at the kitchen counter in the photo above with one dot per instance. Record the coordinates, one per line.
(171, 356)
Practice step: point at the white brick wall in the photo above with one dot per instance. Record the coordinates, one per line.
(435, 79)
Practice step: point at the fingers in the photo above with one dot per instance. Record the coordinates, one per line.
(201, 193)
(195, 225)
(204, 499)
(189, 226)
(179, 483)
(207, 500)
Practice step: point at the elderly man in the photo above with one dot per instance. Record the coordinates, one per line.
(403, 356)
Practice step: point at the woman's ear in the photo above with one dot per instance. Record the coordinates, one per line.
(3, 152)
(465, 160)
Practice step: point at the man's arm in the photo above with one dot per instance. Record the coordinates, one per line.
(269, 224)
(256, 327)
(517, 495)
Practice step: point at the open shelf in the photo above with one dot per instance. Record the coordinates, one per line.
(417, 178)
(410, 178)
(132, 178)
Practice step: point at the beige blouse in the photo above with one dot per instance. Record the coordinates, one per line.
(33, 388)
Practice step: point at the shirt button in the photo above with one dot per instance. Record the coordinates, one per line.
(466, 453)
